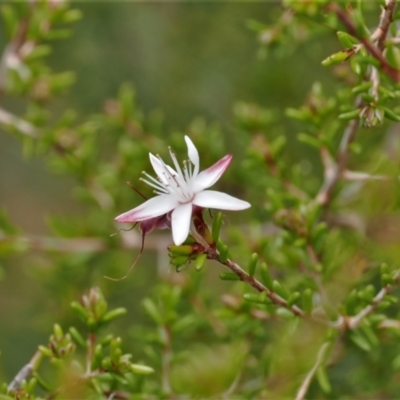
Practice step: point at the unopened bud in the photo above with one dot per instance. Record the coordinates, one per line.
(202, 229)
(186, 249)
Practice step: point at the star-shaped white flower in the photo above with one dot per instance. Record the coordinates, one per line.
(178, 190)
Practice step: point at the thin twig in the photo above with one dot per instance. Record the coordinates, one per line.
(379, 35)
(301, 393)
(354, 322)
(10, 120)
(334, 173)
(364, 176)
(90, 352)
(382, 30)
(11, 54)
(25, 372)
(213, 254)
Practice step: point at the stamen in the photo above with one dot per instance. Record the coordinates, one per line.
(185, 170)
(156, 181)
(175, 161)
(159, 187)
(190, 168)
(179, 186)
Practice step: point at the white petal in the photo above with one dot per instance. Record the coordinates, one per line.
(158, 167)
(152, 208)
(193, 155)
(180, 221)
(210, 175)
(219, 200)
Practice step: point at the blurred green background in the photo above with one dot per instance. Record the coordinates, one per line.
(186, 60)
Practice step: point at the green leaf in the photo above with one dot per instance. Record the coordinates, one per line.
(280, 290)
(38, 52)
(278, 145)
(260, 298)
(302, 114)
(346, 40)
(323, 380)
(141, 369)
(216, 226)
(110, 315)
(77, 336)
(387, 279)
(229, 276)
(360, 341)
(389, 114)
(72, 15)
(307, 300)
(363, 87)
(179, 260)
(252, 264)
(337, 57)
(223, 251)
(293, 298)
(284, 313)
(266, 276)
(80, 310)
(370, 335)
(153, 311)
(310, 140)
(354, 114)
(200, 261)
(184, 249)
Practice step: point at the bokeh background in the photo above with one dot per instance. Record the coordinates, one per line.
(189, 63)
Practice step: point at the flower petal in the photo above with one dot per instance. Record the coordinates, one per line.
(193, 155)
(152, 208)
(180, 220)
(209, 176)
(219, 200)
(158, 168)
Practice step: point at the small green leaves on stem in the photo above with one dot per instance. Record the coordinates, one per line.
(252, 264)
(389, 114)
(357, 337)
(260, 298)
(307, 300)
(223, 251)
(77, 337)
(182, 255)
(216, 226)
(323, 379)
(117, 312)
(349, 115)
(293, 298)
(280, 290)
(153, 311)
(346, 40)
(60, 344)
(338, 57)
(141, 369)
(229, 276)
(200, 261)
(119, 363)
(266, 276)
(92, 310)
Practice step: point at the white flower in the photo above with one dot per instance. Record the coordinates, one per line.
(178, 190)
